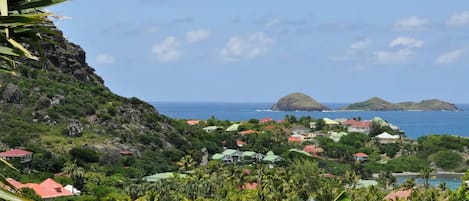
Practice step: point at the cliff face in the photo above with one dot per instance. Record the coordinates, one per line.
(298, 101)
(62, 94)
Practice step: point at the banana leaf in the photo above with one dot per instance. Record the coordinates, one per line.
(22, 20)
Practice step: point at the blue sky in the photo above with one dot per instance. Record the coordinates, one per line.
(259, 51)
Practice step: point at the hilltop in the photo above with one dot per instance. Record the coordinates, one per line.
(57, 104)
(378, 104)
(298, 101)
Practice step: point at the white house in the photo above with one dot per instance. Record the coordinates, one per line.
(386, 138)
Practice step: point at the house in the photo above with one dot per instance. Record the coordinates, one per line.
(353, 125)
(247, 132)
(161, 176)
(229, 156)
(313, 149)
(386, 138)
(48, 189)
(299, 130)
(269, 128)
(271, 158)
(265, 120)
(192, 122)
(295, 139)
(399, 195)
(240, 143)
(72, 189)
(366, 183)
(22, 155)
(210, 129)
(360, 156)
(330, 123)
(125, 152)
(335, 136)
(233, 127)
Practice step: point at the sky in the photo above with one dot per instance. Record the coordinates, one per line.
(259, 51)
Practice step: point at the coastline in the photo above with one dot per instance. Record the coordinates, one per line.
(416, 174)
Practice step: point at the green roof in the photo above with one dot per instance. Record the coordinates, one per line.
(300, 152)
(270, 153)
(366, 183)
(229, 152)
(249, 153)
(233, 127)
(330, 121)
(272, 158)
(160, 176)
(217, 156)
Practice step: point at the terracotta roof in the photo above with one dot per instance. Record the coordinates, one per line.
(47, 189)
(358, 124)
(247, 132)
(294, 139)
(125, 152)
(400, 194)
(193, 122)
(312, 149)
(281, 121)
(360, 154)
(265, 120)
(269, 127)
(240, 143)
(15, 153)
(250, 186)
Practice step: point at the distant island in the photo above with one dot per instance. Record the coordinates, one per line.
(378, 104)
(298, 101)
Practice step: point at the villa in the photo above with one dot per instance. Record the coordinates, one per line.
(247, 132)
(399, 195)
(48, 189)
(210, 129)
(386, 138)
(22, 155)
(353, 125)
(360, 156)
(265, 120)
(233, 127)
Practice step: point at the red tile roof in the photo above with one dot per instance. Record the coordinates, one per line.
(125, 152)
(294, 139)
(15, 153)
(250, 186)
(240, 143)
(360, 154)
(247, 132)
(265, 120)
(358, 124)
(312, 149)
(400, 194)
(47, 189)
(193, 122)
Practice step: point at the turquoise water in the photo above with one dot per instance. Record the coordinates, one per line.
(414, 123)
(452, 181)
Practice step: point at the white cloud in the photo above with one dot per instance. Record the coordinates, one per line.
(393, 57)
(406, 42)
(197, 35)
(249, 47)
(449, 57)
(412, 23)
(360, 44)
(459, 19)
(167, 50)
(104, 58)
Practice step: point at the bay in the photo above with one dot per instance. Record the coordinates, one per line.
(414, 123)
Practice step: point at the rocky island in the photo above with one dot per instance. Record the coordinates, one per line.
(378, 104)
(298, 101)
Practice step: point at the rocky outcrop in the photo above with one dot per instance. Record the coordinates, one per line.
(74, 129)
(378, 104)
(298, 101)
(12, 94)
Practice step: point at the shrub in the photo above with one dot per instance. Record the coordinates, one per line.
(84, 154)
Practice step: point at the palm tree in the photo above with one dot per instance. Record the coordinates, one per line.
(387, 179)
(425, 174)
(77, 174)
(186, 163)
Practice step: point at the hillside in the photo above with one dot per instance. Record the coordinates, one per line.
(378, 104)
(59, 103)
(298, 101)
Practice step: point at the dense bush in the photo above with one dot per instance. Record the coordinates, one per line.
(84, 154)
(447, 160)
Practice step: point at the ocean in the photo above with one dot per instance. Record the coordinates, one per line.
(414, 123)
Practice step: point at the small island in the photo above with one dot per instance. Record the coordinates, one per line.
(378, 104)
(298, 101)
